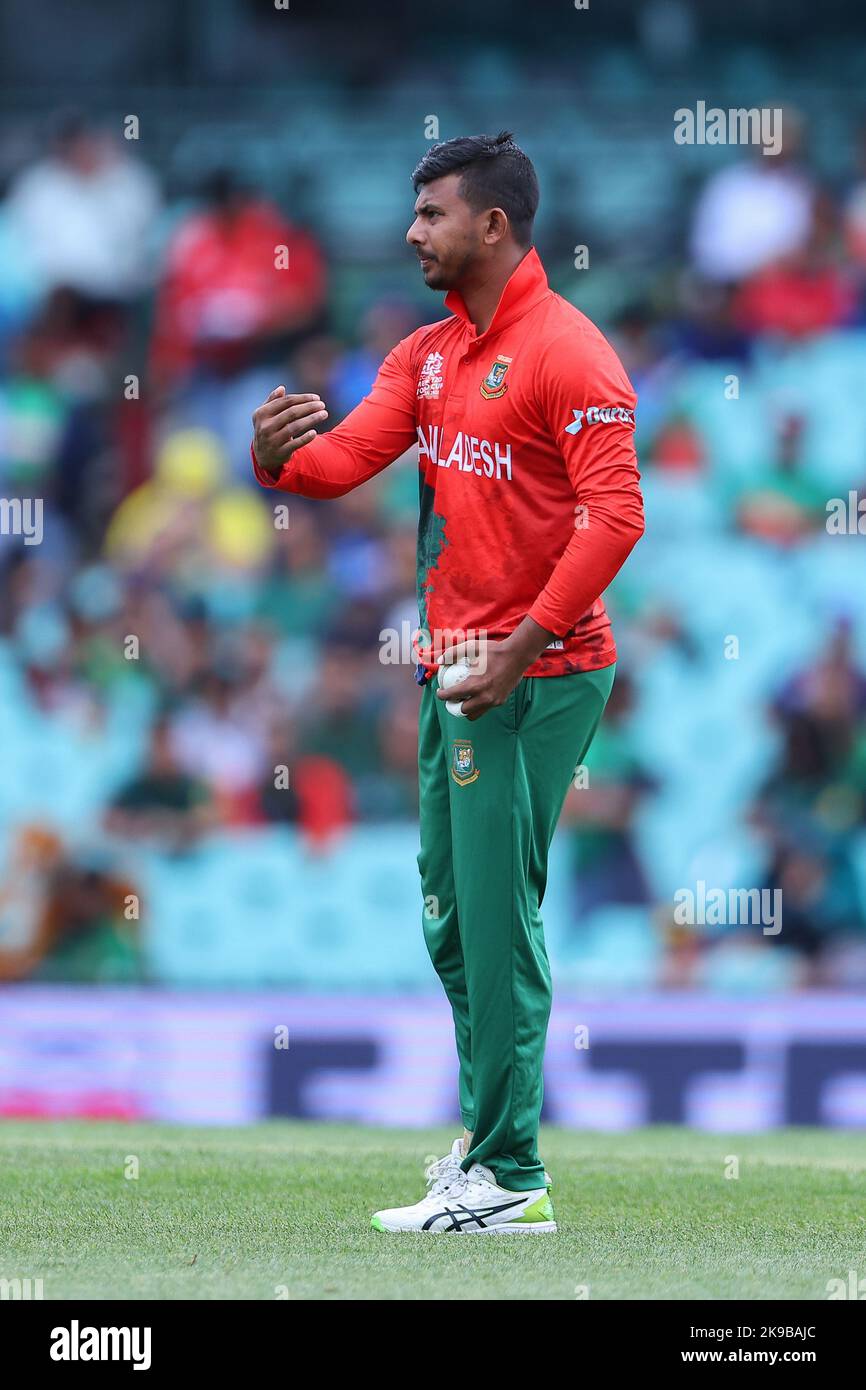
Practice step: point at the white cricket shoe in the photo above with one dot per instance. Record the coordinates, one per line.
(477, 1205)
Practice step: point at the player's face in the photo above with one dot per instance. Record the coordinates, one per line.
(447, 236)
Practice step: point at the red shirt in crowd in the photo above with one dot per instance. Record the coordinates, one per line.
(233, 277)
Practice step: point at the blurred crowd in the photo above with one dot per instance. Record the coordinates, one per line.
(138, 333)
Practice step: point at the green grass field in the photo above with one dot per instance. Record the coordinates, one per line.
(235, 1214)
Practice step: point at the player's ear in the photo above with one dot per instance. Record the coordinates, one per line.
(497, 226)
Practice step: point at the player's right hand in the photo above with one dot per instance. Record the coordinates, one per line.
(283, 424)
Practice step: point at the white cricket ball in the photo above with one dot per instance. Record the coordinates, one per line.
(453, 674)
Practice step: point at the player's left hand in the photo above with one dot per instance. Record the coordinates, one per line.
(499, 671)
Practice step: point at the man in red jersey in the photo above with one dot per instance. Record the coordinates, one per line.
(529, 505)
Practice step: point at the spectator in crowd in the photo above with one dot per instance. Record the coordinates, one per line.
(804, 292)
(821, 712)
(782, 503)
(214, 737)
(755, 211)
(86, 213)
(162, 805)
(187, 521)
(90, 928)
(239, 281)
(241, 286)
(820, 901)
(66, 915)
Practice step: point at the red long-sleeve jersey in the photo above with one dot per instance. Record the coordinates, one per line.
(529, 496)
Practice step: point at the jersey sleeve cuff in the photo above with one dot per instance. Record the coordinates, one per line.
(541, 615)
(266, 479)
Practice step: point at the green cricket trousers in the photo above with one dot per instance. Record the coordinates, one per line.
(491, 791)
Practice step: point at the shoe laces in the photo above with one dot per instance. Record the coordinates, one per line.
(444, 1175)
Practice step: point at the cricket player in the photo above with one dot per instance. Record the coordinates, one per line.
(529, 505)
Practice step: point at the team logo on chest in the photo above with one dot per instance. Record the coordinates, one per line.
(494, 384)
(463, 768)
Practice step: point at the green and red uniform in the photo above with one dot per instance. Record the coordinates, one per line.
(529, 504)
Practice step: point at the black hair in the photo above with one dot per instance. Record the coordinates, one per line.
(496, 174)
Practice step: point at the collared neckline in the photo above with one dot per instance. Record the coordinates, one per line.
(525, 287)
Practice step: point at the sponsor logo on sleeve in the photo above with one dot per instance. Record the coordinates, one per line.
(599, 415)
